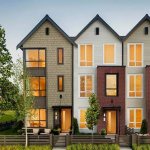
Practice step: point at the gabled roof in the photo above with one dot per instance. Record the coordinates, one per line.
(146, 17)
(46, 18)
(97, 18)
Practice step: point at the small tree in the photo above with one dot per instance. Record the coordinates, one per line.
(143, 129)
(25, 99)
(75, 126)
(92, 113)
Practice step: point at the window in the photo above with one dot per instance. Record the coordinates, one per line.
(38, 86)
(111, 85)
(82, 118)
(37, 118)
(146, 30)
(86, 55)
(135, 85)
(60, 55)
(85, 86)
(35, 58)
(60, 83)
(135, 55)
(109, 54)
(47, 31)
(135, 117)
(97, 31)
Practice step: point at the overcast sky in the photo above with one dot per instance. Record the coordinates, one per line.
(18, 17)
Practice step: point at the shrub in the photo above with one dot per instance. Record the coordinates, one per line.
(75, 126)
(143, 127)
(103, 131)
(141, 147)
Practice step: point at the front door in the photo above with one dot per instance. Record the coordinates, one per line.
(111, 122)
(65, 120)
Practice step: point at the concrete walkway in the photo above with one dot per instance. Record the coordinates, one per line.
(125, 148)
(59, 148)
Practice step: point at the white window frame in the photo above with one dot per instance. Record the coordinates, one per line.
(128, 87)
(128, 54)
(114, 54)
(128, 115)
(79, 117)
(85, 54)
(85, 84)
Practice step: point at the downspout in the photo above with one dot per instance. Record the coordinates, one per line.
(72, 85)
(122, 53)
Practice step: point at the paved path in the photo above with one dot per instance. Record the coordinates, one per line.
(125, 148)
(59, 148)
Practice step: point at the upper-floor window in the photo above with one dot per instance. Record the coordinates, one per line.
(111, 85)
(135, 85)
(37, 118)
(38, 86)
(35, 58)
(86, 85)
(135, 53)
(82, 118)
(86, 55)
(60, 83)
(109, 54)
(60, 55)
(135, 117)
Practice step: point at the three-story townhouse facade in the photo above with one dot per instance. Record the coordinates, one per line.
(98, 69)
(47, 56)
(136, 46)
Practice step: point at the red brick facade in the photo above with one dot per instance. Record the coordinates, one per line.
(112, 103)
(147, 76)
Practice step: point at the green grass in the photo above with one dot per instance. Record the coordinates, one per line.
(7, 116)
(93, 147)
(141, 147)
(19, 147)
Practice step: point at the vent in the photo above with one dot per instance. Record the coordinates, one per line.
(47, 31)
(97, 31)
(146, 30)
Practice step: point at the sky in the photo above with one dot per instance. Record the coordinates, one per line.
(19, 17)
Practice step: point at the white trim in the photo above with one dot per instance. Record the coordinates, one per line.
(128, 85)
(114, 54)
(85, 81)
(128, 54)
(85, 44)
(81, 108)
(128, 115)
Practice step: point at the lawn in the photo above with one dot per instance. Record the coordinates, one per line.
(141, 147)
(7, 116)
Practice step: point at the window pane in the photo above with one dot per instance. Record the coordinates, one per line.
(138, 125)
(42, 114)
(108, 53)
(35, 93)
(139, 52)
(131, 125)
(42, 123)
(60, 55)
(82, 83)
(89, 55)
(82, 119)
(82, 55)
(41, 64)
(131, 115)
(42, 83)
(41, 55)
(131, 83)
(89, 83)
(31, 55)
(131, 52)
(34, 83)
(138, 115)
(111, 92)
(111, 81)
(42, 93)
(138, 83)
(60, 83)
(31, 64)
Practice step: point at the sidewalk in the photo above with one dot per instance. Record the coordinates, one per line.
(59, 148)
(125, 148)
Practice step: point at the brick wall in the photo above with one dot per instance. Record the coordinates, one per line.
(112, 102)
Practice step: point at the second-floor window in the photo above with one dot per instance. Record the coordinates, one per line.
(38, 86)
(135, 58)
(135, 85)
(60, 55)
(86, 55)
(109, 54)
(35, 58)
(60, 83)
(85, 85)
(111, 85)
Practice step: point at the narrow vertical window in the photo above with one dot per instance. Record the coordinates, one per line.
(97, 31)
(47, 31)
(146, 30)
(60, 83)
(82, 118)
(60, 55)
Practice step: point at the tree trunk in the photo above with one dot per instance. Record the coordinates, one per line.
(26, 133)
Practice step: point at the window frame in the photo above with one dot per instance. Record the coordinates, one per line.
(114, 54)
(62, 56)
(85, 44)
(85, 83)
(128, 115)
(79, 117)
(128, 54)
(62, 83)
(39, 117)
(39, 85)
(128, 86)
(25, 56)
(117, 84)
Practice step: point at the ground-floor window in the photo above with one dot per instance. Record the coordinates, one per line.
(37, 118)
(135, 117)
(82, 119)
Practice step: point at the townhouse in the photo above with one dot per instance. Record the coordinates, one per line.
(66, 70)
